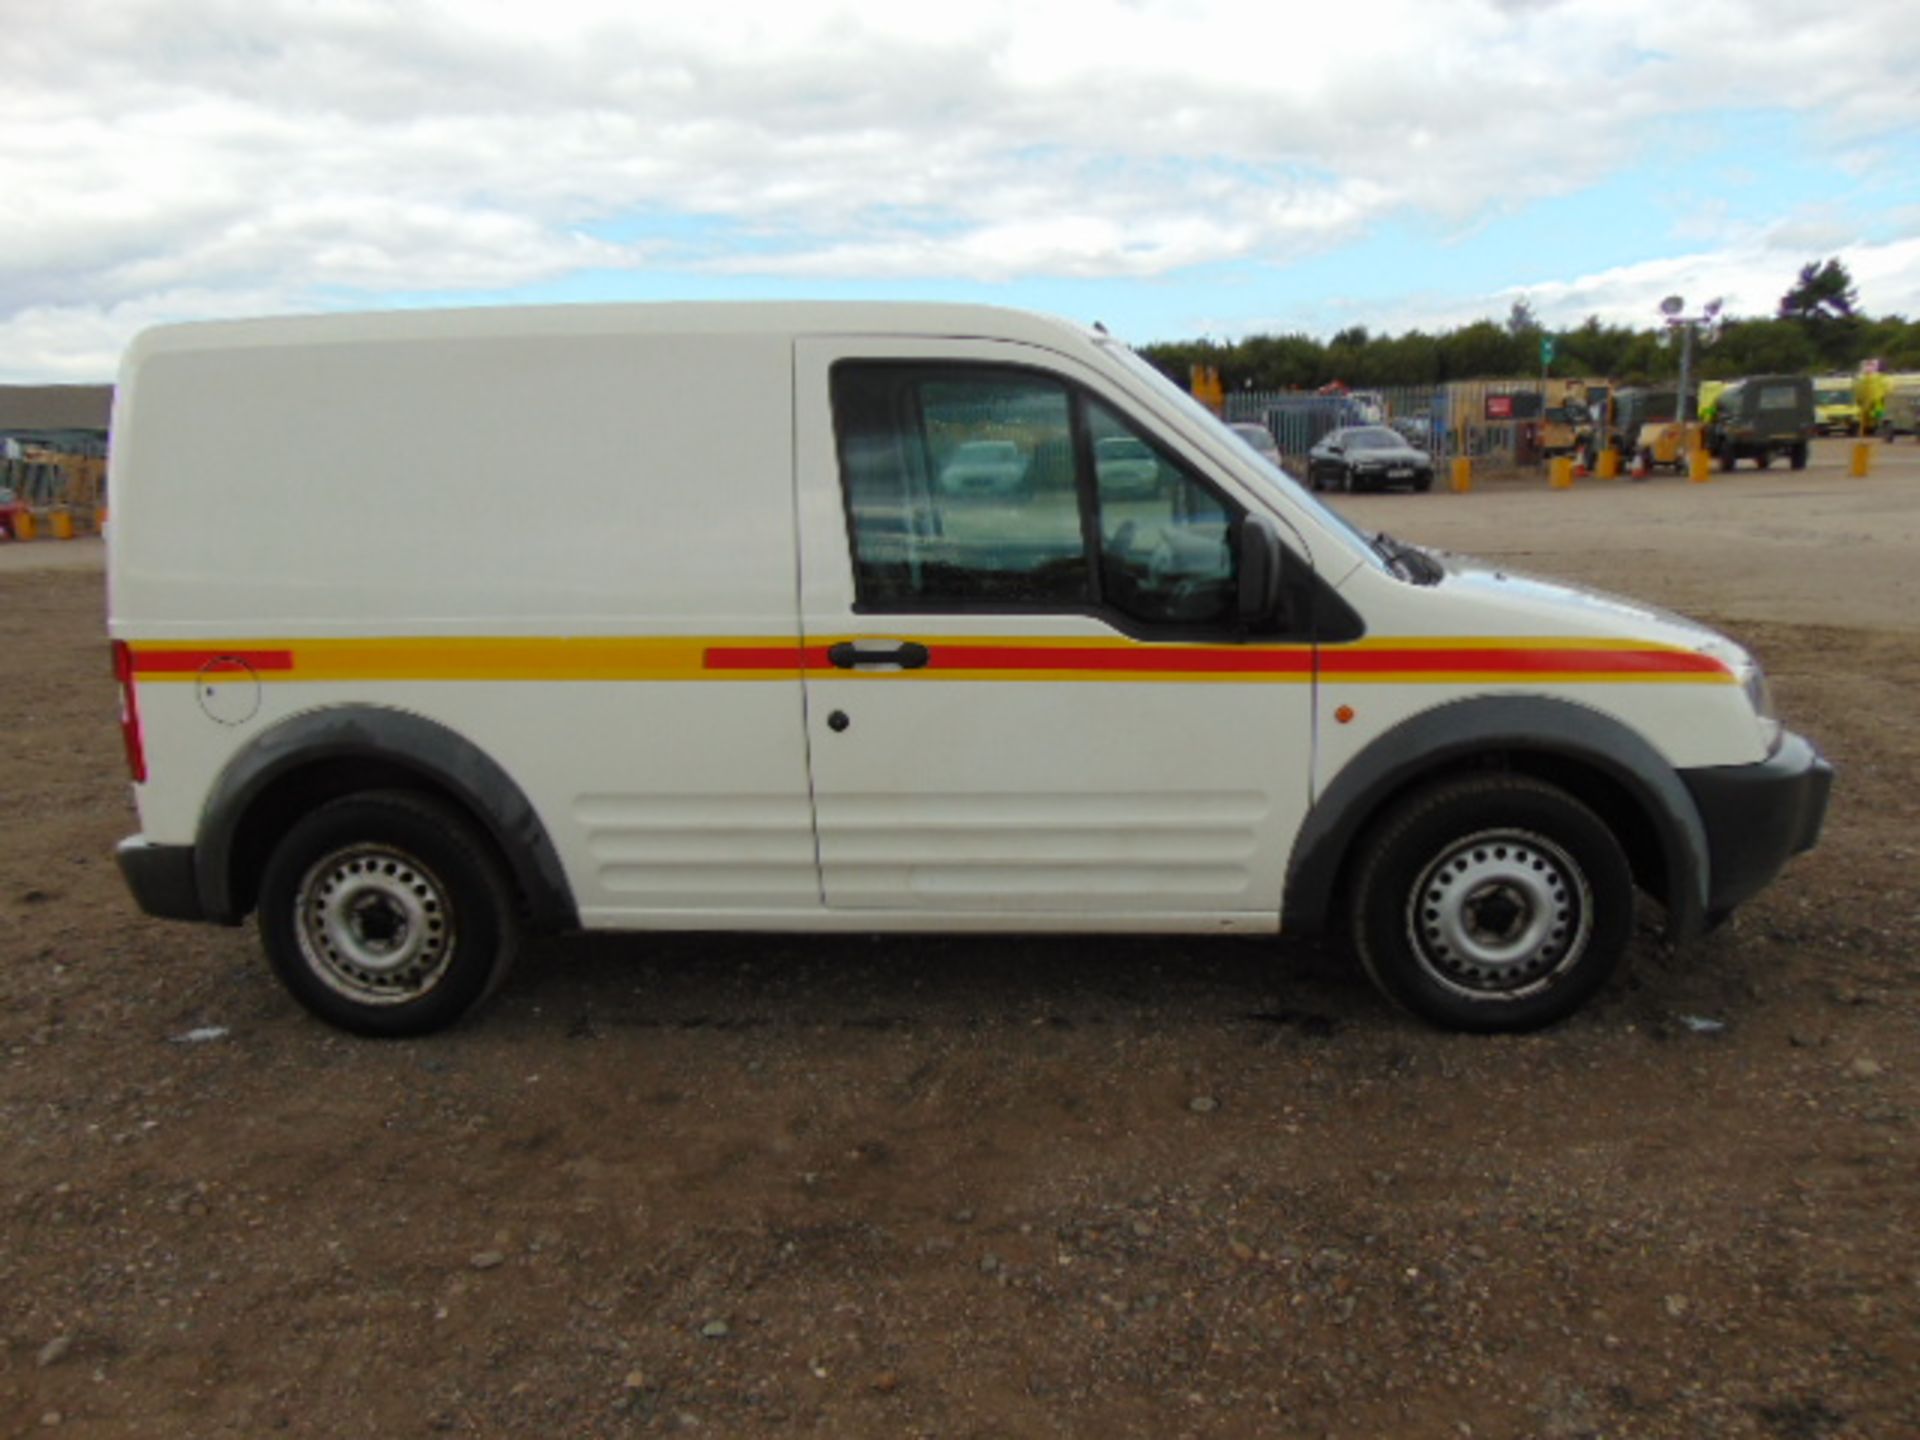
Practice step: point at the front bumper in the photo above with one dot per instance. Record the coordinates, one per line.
(1758, 817)
(161, 878)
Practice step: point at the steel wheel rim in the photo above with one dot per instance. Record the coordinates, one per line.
(1500, 915)
(375, 924)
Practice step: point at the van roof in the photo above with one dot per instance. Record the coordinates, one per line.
(793, 318)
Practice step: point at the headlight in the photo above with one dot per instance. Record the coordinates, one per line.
(1753, 680)
(1759, 692)
(1753, 684)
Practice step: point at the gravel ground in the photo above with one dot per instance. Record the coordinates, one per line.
(997, 1186)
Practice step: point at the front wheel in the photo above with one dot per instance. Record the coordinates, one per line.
(385, 913)
(1492, 903)
(1797, 457)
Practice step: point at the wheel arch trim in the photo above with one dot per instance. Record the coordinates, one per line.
(1437, 741)
(439, 757)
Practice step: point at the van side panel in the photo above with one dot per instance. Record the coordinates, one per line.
(533, 541)
(463, 483)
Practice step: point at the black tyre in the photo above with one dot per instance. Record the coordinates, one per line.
(386, 914)
(1797, 457)
(1492, 903)
(1727, 458)
(1423, 484)
(1764, 459)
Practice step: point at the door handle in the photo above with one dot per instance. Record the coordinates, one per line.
(878, 655)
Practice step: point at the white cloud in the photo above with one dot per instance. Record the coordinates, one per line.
(164, 153)
(1750, 279)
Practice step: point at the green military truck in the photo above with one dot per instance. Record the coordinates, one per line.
(1761, 417)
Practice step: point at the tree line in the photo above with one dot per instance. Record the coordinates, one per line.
(1818, 329)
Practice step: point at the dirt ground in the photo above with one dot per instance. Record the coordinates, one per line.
(997, 1187)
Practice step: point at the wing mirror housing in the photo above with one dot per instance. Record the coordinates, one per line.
(1261, 558)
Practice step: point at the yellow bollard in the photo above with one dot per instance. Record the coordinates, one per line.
(62, 524)
(1862, 465)
(1560, 473)
(1700, 467)
(1462, 474)
(23, 528)
(1609, 465)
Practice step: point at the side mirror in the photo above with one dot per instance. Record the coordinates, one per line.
(1260, 562)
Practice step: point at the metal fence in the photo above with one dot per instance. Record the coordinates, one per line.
(45, 479)
(1501, 422)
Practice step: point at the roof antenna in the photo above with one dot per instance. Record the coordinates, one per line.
(1100, 329)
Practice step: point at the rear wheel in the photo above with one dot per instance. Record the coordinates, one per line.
(386, 914)
(1492, 903)
(1797, 457)
(1764, 459)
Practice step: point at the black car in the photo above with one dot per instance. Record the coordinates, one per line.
(1367, 457)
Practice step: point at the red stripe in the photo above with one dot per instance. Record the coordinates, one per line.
(1248, 661)
(180, 662)
(767, 657)
(1149, 662)
(1520, 662)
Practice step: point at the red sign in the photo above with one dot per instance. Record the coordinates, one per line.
(1499, 407)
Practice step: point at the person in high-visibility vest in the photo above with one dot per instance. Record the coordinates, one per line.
(1870, 394)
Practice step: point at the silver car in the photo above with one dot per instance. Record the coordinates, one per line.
(995, 468)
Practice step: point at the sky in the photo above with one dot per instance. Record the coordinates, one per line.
(1172, 170)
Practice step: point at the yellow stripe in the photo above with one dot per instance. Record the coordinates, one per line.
(474, 657)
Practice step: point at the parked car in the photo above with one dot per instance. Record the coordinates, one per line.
(1761, 417)
(996, 468)
(1368, 457)
(1260, 440)
(1125, 466)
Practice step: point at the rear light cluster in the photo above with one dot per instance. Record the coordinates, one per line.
(129, 712)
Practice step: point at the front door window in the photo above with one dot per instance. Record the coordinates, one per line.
(1001, 489)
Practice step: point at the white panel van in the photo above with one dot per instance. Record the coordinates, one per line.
(435, 629)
